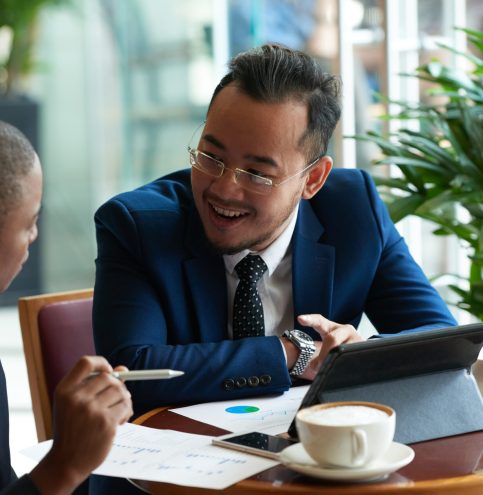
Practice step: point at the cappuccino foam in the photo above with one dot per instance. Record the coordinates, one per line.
(346, 415)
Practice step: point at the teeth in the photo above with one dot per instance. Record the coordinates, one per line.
(227, 213)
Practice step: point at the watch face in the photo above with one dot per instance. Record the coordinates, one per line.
(302, 336)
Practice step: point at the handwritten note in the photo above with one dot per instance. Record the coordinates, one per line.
(169, 456)
(270, 415)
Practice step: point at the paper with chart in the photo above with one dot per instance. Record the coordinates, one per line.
(270, 415)
(169, 456)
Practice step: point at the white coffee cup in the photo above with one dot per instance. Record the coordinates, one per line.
(346, 434)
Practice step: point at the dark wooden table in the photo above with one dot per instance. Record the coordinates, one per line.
(446, 466)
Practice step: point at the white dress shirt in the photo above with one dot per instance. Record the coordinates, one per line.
(275, 287)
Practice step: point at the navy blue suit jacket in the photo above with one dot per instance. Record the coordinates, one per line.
(9, 484)
(160, 294)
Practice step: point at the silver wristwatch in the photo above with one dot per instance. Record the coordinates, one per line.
(305, 344)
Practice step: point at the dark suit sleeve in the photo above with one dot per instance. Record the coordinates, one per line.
(400, 299)
(22, 486)
(9, 483)
(144, 318)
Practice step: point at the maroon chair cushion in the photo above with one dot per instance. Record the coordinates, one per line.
(65, 331)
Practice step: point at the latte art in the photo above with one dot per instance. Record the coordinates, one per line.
(346, 416)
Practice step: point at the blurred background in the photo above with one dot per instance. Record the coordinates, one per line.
(114, 89)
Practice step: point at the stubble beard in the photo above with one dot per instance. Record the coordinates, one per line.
(254, 244)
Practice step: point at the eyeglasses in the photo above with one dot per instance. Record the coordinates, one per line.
(249, 181)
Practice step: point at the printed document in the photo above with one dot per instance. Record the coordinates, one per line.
(170, 456)
(270, 415)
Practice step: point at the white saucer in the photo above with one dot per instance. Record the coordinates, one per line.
(399, 455)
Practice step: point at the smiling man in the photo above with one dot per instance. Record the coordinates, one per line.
(86, 411)
(252, 217)
(206, 269)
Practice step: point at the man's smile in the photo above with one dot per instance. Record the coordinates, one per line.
(227, 213)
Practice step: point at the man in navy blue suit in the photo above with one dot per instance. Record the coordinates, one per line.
(86, 412)
(260, 184)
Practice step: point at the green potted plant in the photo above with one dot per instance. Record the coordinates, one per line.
(441, 164)
(18, 20)
(18, 23)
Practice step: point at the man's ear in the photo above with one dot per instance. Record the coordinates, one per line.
(317, 176)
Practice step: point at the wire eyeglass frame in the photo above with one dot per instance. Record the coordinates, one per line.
(249, 181)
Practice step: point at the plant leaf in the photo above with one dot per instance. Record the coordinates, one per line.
(402, 207)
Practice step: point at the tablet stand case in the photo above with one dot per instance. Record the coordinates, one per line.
(427, 406)
(427, 381)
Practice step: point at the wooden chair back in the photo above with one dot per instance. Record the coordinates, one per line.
(56, 331)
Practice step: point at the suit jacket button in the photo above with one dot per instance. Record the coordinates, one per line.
(229, 384)
(265, 379)
(253, 381)
(241, 382)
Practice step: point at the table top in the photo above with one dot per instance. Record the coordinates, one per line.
(446, 466)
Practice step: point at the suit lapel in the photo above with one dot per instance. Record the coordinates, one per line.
(312, 266)
(312, 274)
(207, 283)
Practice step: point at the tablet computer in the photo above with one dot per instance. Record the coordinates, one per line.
(407, 372)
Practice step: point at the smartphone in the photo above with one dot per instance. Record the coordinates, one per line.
(254, 442)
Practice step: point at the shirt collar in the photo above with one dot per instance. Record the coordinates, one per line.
(272, 255)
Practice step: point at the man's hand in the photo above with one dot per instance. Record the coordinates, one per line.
(86, 414)
(332, 334)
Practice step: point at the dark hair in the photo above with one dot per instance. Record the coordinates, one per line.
(17, 158)
(274, 73)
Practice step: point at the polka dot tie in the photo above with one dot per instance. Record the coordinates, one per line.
(247, 307)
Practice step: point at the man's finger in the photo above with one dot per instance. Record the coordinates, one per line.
(318, 322)
(83, 368)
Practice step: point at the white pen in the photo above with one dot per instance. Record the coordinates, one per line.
(143, 374)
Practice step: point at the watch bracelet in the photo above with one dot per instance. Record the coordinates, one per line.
(301, 363)
(303, 358)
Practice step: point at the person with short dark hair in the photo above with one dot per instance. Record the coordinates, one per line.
(86, 411)
(209, 270)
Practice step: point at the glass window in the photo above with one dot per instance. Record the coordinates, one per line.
(124, 85)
